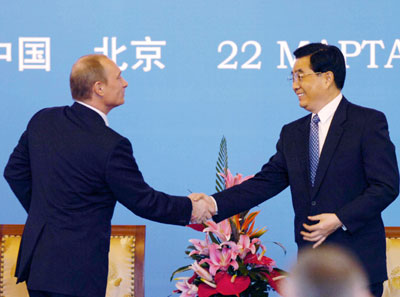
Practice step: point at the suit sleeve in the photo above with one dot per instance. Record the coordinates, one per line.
(18, 172)
(130, 189)
(271, 180)
(381, 172)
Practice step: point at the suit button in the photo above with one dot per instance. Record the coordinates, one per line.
(313, 203)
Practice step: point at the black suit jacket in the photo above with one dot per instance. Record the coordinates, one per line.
(69, 170)
(357, 178)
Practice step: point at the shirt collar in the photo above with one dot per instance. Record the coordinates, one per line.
(328, 110)
(102, 114)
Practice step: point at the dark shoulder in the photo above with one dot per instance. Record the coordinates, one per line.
(363, 117)
(46, 116)
(300, 121)
(296, 124)
(83, 124)
(358, 111)
(113, 135)
(48, 112)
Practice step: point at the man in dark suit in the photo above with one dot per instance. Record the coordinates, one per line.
(68, 171)
(338, 161)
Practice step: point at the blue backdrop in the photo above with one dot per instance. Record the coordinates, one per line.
(197, 70)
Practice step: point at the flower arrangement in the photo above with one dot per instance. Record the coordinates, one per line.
(231, 260)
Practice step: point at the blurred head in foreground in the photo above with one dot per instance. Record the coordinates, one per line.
(327, 271)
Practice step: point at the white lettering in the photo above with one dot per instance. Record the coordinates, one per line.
(248, 64)
(114, 51)
(396, 46)
(7, 55)
(285, 51)
(103, 50)
(225, 63)
(372, 55)
(34, 53)
(148, 52)
(344, 44)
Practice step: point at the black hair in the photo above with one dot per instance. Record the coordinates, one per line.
(325, 58)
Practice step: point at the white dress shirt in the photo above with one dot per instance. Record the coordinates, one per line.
(102, 114)
(325, 116)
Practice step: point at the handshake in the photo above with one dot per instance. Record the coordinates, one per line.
(203, 207)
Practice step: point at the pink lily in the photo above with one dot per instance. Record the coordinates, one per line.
(200, 271)
(186, 289)
(233, 247)
(231, 180)
(245, 246)
(220, 259)
(257, 242)
(222, 230)
(201, 246)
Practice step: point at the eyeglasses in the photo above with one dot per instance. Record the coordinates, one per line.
(298, 76)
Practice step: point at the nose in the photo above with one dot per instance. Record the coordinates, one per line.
(124, 83)
(295, 85)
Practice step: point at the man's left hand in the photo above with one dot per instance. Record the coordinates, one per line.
(203, 207)
(328, 223)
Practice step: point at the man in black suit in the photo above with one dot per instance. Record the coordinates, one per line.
(68, 171)
(338, 161)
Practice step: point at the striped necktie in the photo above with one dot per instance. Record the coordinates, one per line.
(314, 147)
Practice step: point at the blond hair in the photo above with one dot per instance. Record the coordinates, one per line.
(84, 74)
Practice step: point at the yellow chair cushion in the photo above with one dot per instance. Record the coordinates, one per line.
(121, 270)
(392, 285)
(9, 252)
(120, 276)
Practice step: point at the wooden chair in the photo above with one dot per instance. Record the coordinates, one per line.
(126, 261)
(392, 285)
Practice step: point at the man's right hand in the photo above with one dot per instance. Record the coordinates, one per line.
(203, 207)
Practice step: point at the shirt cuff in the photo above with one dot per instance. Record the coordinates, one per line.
(215, 204)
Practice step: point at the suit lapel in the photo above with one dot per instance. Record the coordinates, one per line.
(332, 140)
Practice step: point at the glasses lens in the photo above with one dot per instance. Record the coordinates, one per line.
(295, 77)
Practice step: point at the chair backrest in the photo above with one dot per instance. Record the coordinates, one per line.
(126, 261)
(10, 236)
(392, 285)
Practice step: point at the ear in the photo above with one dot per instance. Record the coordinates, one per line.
(329, 78)
(98, 88)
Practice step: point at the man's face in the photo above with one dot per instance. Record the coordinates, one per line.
(308, 85)
(114, 90)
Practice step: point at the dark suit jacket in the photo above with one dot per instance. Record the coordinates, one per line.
(69, 170)
(357, 178)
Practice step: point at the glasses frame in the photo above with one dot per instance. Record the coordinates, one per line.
(298, 76)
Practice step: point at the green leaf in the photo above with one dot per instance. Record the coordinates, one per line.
(222, 164)
(281, 245)
(179, 270)
(243, 270)
(218, 186)
(235, 231)
(213, 238)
